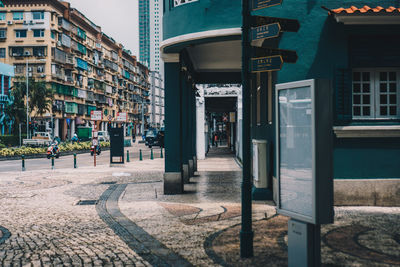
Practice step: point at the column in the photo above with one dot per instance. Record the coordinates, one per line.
(56, 129)
(185, 128)
(194, 128)
(200, 139)
(173, 180)
(190, 129)
(72, 127)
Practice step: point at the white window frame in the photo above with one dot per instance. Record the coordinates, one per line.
(18, 18)
(41, 15)
(375, 94)
(1, 54)
(4, 33)
(18, 33)
(41, 33)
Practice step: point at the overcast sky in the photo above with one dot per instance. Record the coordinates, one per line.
(117, 18)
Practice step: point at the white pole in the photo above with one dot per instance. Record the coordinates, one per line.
(142, 118)
(27, 103)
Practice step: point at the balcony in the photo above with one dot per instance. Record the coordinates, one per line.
(4, 98)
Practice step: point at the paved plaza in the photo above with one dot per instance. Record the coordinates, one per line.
(119, 216)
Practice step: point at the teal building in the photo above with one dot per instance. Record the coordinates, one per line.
(6, 73)
(354, 44)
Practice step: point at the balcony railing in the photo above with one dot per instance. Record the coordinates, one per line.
(3, 98)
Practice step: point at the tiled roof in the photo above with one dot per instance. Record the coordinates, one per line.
(365, 9)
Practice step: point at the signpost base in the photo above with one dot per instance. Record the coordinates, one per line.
(304, 244)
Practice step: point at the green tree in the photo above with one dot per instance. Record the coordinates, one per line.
(40, 99)
(16, 111)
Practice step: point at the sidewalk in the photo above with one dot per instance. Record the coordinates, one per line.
(134, 224)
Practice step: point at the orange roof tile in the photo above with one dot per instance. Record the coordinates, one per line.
(365, 9)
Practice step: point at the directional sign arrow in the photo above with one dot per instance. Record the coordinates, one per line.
(287, 25)
(260, 4)
(265, 31)
(288, 56)
(264, 64)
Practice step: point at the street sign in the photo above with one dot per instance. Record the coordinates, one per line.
(109, 117)
(260, 4)
(265, 31)
(96, 115)
(122, 116)
(287, 25)
(288, 56)
(264, 64)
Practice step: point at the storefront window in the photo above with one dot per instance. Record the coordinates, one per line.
(376, 94)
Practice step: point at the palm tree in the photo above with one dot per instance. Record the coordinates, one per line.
(40, 99)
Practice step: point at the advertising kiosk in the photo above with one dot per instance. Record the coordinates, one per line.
(305, 165)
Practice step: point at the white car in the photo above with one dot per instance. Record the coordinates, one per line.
(103, 136)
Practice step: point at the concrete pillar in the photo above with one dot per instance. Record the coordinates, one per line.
(173, 180)
(72, 127)
(200, 140)
(185, 128)
(56, 127)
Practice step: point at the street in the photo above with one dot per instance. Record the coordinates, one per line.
(119, 216)
(83, 160)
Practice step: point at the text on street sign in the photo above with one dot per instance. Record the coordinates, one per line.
(265, 31)
(259, 4)
(264, 64)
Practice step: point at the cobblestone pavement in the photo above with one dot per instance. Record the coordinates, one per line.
(131, 223)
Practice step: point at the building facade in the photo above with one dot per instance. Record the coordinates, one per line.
(6, 74)
(352, 44)
(86, 69)
(150, 37)
(156, 112)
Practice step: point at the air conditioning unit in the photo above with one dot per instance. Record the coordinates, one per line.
(30, 74)
(58, 43)
(27, 53)
(9, 22)
(43, 75)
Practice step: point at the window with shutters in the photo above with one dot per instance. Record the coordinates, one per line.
(376, 94)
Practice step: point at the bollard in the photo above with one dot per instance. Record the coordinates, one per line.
(161, 155)
(140, 155)
(151, 154)
(127, 156)
(75, 161)
(23, 163)
(52, 162)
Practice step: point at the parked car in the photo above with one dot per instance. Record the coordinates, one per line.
(151, 134)
(155, 139)
(103, 136)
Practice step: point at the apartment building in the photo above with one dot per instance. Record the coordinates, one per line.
(87, 69)
(150, 37)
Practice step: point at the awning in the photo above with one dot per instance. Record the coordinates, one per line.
(366, 15)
